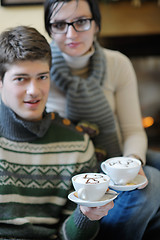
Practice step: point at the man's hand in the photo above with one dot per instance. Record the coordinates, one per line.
(96, 213)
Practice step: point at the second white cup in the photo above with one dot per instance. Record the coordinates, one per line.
(121, 170)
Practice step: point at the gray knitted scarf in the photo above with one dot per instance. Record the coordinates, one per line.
(85, 97)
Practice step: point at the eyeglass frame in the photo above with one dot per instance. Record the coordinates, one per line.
(72, 24)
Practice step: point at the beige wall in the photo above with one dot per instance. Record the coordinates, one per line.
(117, 19)
(28, 15)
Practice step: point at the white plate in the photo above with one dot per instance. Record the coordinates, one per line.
(108, 197)
(137, 182)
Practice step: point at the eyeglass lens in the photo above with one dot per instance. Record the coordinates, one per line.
(79, 26)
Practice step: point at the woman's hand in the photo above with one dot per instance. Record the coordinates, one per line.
(96, 213)
(141, 172)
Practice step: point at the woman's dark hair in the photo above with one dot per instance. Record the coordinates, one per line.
(51, 5)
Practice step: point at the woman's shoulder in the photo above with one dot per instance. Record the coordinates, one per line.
(119, 69)
(115, 55)
(117, 60)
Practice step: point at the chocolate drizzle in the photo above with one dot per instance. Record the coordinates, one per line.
(126, 164)
(93, 180)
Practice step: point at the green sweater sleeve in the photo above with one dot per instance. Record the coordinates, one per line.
(79, 227)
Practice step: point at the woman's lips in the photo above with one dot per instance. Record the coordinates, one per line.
(73, 44)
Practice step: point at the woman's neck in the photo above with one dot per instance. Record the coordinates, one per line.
(80, 62)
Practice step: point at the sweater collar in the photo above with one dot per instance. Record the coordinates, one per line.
(15, 129)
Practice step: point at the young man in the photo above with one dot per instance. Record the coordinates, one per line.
(39, 152)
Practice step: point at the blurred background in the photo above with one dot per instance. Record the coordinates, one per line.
(130, 26)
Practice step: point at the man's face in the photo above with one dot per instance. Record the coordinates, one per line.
(25, 88)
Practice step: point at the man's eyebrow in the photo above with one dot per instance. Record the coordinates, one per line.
(20, 74)
(48, 72)
(27, 74)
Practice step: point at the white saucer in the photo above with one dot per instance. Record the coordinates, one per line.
(137, 182)
(108, 197)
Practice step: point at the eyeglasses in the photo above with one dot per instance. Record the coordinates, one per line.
(80, 25)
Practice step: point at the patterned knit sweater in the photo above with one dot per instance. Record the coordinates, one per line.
(35, 178)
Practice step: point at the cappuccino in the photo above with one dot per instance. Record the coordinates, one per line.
(90, 178)
(91, 186)
(123, 163)
(121, 170)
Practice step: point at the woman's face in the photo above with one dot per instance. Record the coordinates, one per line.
(74, 43)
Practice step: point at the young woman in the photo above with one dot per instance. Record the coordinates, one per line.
(93, 84)
(99, 86)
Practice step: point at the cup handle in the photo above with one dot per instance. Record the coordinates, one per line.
(103, 167)
(82, 193)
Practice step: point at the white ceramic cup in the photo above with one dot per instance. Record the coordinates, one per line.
(91, 186)
(121, 170)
